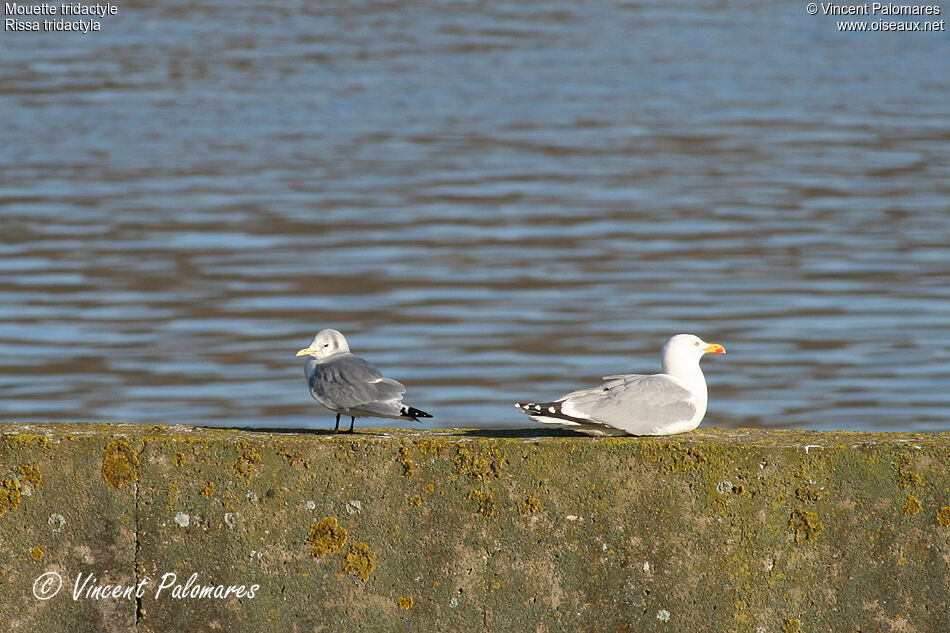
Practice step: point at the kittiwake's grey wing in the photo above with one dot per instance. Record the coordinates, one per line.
(634, 403)
(352, 383)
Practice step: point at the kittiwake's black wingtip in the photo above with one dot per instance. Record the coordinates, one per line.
(412, 412)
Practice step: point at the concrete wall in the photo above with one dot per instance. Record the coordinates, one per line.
(716, 530)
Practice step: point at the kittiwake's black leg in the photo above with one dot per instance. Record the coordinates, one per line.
(336, 429)
(352, 420)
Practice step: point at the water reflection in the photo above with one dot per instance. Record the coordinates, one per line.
(491, 202)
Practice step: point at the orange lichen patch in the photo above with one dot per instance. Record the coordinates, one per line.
(415, 501)
(530, 505)
(792, 625)
(405, 602)
(360, 561)
(208, 490)
(430, 448)
(805, 525)
(120, 464)
(248, 457)
(479, 462)
(912, 506)
(905, 476)
(689, 459)
(30, 475)
(409, 467)
(326, 537)
(9, 495)
(943, 516)
(808, 494)
(486, 501)
(36, 553)
(295, 457)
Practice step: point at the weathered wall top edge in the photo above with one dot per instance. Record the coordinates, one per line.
(753, 437)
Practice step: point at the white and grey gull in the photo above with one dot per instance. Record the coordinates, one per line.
(349, 385)
(638, 404)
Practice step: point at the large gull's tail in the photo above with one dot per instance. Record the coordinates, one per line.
(551, 413)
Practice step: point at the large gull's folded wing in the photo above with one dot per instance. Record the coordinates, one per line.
(634, 403)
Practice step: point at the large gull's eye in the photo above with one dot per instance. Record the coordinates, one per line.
(696, 344)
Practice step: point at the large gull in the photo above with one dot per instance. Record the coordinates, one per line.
(349, 385)
(637, 404)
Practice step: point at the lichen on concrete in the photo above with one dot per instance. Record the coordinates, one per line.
(906, 477)
(732, 530)
(9, 495)
(31, 475)
(404, 458)
(805, 525)
(326, 537)
(485, 500)
(120, 464)
(808, 494)
(792, 625)
(360, 561)
(296, 457)
(529, 505)
(429, 447)
(687, 459)
(248, 459)
(478, 461)
(912, 506)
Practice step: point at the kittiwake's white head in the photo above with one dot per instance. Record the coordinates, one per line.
(326, 343)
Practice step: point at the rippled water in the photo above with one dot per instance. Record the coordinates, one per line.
(492, 201)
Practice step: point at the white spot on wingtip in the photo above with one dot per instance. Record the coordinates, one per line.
(552, 410)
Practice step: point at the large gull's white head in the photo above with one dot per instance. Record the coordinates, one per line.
(326, 343)
(685, 350)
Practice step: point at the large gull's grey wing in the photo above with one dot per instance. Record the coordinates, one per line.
(634, 403)
(346, 381)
